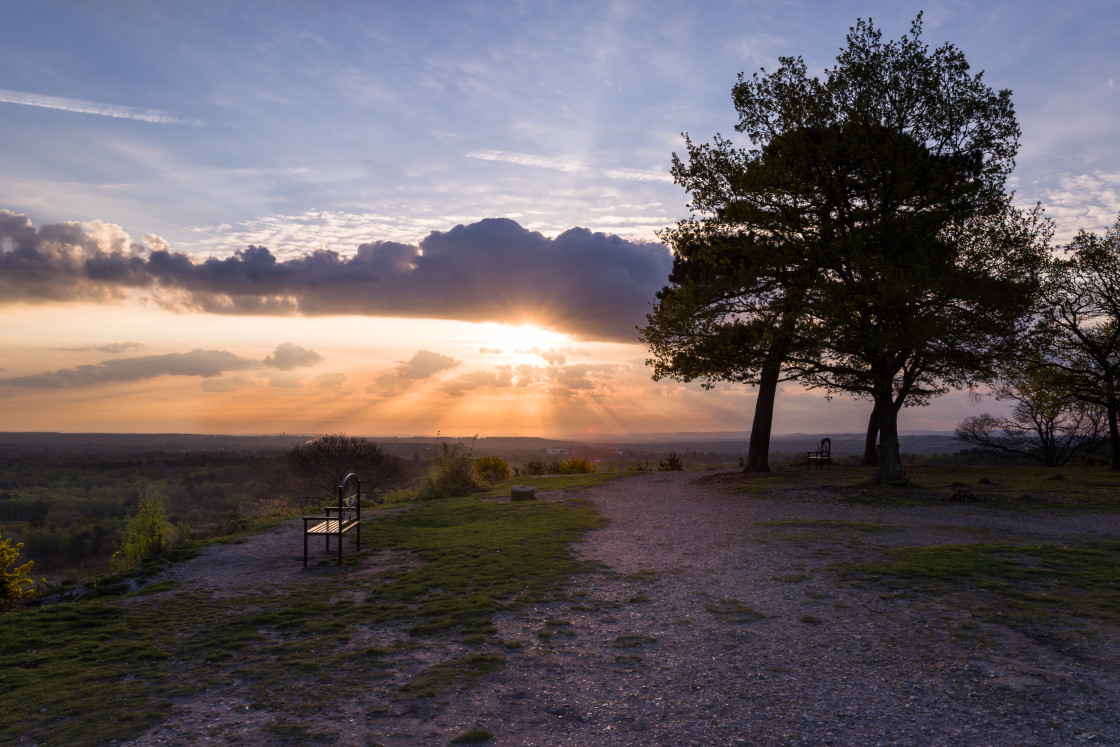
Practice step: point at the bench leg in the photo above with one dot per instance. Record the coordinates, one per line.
(305, 547)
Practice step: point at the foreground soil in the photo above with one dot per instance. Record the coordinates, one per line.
(720, 615)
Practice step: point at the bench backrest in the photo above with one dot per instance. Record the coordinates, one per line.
(826, 447)
(350, 499)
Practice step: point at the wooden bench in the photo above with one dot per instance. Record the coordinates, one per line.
(822, 456)
(339, 519)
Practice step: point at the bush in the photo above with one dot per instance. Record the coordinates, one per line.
(13, 578)
(491, 469)
(535, 467)
(233, 520)
(143, 537)
(672, 463)
(452, 475)
(576, 466)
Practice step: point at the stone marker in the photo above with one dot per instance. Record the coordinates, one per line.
(522, 493)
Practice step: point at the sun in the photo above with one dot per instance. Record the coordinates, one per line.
(521, 339)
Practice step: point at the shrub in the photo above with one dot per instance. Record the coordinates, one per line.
(491, 469)
(143, 537)
(233, 520)
(13, 578)
(576, 466)
(535, 467)
(452, 474)
(672, 463)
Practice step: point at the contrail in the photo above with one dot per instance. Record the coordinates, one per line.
(92, 107)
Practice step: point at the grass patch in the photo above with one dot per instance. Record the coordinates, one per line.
(732, 610)
(1032, 581)
(1019, 487)
(128, 660)
(474, 736)
(441, 677)
(480, 557)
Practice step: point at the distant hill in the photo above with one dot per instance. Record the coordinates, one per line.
(925, 443)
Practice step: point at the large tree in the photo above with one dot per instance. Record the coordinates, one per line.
(733, 312)
(1083, 317)
(892, 263)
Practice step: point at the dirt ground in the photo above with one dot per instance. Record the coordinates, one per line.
(719, 618)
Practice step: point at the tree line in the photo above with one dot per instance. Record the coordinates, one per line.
(867, 244)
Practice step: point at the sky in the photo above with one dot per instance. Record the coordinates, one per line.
(408, 218)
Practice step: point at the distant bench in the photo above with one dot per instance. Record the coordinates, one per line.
(822, 456)
(339, 519)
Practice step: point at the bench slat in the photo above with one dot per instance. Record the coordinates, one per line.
(330, 527)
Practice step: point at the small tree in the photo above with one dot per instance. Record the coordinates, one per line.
(15, 580)
(1047, 424)
(320, 464)
(1083, 318)
(143, 536)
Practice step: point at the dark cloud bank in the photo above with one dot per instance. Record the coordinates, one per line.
(588, 284)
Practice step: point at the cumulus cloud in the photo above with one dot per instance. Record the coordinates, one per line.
(590, 285)
(425, 363)
(289, 356)
(1084, 201)
(203, 363)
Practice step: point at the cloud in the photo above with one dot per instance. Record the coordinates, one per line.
(425, 363)
(501, 377)
(1084, 201)
(570, 166)
(289, 356)
(590, 285)
(528, 159)
(79, 106)
(204, 363)
(121, 347)
(639, 175)
(554, 356)
(113, 348)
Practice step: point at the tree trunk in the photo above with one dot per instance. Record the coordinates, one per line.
(870, 455)
(1113, 410)
(890, 460)
(758, 452)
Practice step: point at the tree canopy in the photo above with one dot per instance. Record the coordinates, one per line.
(866, 244)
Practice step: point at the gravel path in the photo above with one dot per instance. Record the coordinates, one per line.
(717, 620)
